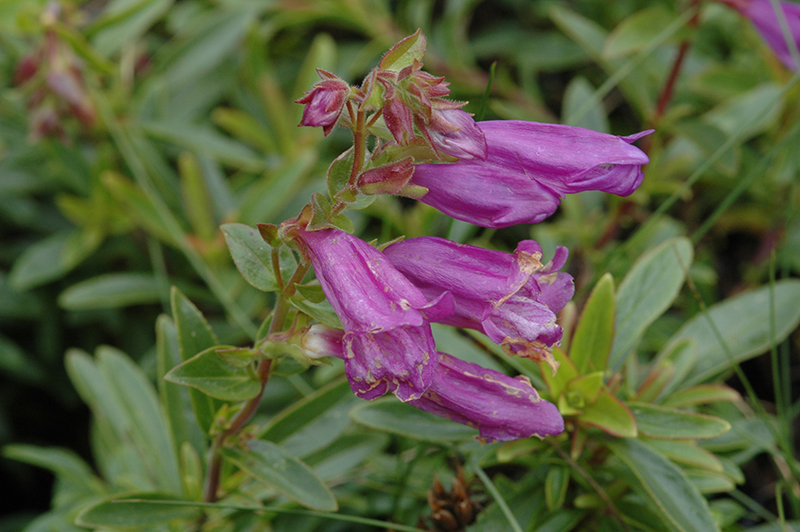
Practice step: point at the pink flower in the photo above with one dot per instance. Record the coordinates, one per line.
(529, 167)
(762, 15)
(500, 407)
(513, 299)
(387, 343)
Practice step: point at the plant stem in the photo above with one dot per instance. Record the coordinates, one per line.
(359, 145)
(669, 86)
(249, 408)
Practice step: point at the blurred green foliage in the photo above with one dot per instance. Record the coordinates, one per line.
(130, 130)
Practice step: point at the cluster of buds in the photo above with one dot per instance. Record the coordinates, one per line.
(493, 174)
(52, 77)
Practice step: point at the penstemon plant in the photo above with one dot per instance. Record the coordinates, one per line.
(583, 435)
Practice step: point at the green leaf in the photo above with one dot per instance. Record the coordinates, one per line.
(577, 93)
(709, 481)
(64, 463)
(555, 487)
(646, 292)
(756, 111)
(687, 453)
(311, 300)
(124, 22)
(134, 510)
(336, 461)
(127, 411)
(252, 255)
(404, 53)
(636, 31)
(313, 422)
(590, 35)
(670, 492)
(272, 465)
(206, 44)
(670, 424)
(207, 142)
(147, 426)
(743, 323)
(591, 342)
(339, 172)
(194, 336)
(244, 126)
(175, 398)
(196, 196)
(111, 290)
(264, 200)
(567, 371)
(702, 394)
(391, 415)
(51, 258)
(610, 415)
(210, 374)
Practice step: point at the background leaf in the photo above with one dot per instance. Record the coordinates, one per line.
(272, 465)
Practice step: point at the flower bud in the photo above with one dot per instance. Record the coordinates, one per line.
(325, 102)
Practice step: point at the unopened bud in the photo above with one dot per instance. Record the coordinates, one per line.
(322, 341)
(325, 102)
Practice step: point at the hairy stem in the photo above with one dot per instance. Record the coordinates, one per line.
(359, 145)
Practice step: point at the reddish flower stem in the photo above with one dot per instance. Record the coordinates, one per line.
(263, 371)
(669, 86)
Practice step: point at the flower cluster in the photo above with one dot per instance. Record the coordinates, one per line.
(493, 174)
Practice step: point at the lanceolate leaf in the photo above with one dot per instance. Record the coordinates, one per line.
(610, 415)
(176, 401)
(595, 331)
(278, 468)
(669, 491)
(390, 415)
(672, 424)
(743, 324)
(194, 336)
(131, 510)
(646, 292)
(313, 422)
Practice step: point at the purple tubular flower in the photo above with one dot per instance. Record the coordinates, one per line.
(500, 407)
(513, 299)
(762, 15)
(388, 344)
(529, 167)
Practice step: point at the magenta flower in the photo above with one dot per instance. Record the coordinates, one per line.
(513, 299)
(529, 167)
(500, 407)
(455, 133)
(762, 15)
(388, 345)
(324, 102)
